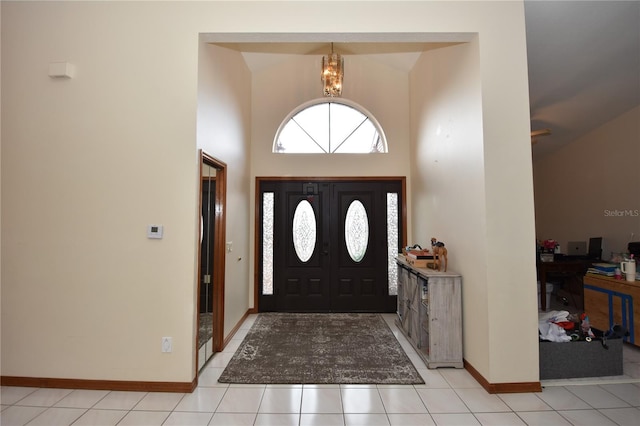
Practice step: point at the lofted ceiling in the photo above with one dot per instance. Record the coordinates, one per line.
(583, 58)
(584, 66)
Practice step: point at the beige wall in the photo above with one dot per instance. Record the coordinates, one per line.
(224, 119)
(388, 102)
(589, 188)
(452, 202)
(508, 185)
(119, 142)
(87, 164)
(448, 177)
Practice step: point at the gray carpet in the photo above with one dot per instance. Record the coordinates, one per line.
(286, 348)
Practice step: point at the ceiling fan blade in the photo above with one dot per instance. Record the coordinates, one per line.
(541, 132)
(537, 133)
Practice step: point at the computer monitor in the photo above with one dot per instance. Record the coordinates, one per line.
(595, 248)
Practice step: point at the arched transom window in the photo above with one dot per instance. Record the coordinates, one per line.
(329, 126)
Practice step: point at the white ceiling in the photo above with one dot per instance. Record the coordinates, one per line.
(584, 61)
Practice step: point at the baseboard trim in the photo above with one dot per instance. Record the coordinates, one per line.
(114, 385)
(518, 387)
(236, 328)
(111, 385)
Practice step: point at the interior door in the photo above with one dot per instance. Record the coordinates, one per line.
(207, 246)
(329, 246)
(211, 258)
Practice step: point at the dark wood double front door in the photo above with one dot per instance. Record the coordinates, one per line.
(327, 245)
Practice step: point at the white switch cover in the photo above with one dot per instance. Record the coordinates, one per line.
(167, 344)
(154, 231)
(229, 246)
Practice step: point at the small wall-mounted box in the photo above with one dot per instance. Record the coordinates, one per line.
(154, 231)
(61, 70)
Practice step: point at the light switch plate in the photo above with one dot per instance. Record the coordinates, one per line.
(167, 344)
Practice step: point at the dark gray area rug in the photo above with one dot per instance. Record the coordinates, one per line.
(286, 348)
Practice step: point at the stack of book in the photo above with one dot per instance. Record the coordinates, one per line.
(419, 258)
(607, 269)
(419, 254)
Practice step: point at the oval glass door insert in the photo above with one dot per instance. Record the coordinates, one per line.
(304, 230)
(356, 230)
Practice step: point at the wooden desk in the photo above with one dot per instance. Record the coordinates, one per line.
(573, 268)
(608, 301)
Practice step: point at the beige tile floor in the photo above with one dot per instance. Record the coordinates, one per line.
(449, 397)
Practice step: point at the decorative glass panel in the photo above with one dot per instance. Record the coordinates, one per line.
(356, 230)
(324, 127)
(304, 230)
(267, 243)
(392, 241)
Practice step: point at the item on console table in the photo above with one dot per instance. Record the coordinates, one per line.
(439, 252)
(419, 254)
(407, 249)
(628, 268)
(548, 246)
(419, 258)
(546, 257)
(606, 269)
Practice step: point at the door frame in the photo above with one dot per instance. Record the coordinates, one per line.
(257, 261)
(218, 261)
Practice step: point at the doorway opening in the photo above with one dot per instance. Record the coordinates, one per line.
(329, 245)
(211, 258)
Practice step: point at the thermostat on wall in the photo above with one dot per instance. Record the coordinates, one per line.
(154, 231)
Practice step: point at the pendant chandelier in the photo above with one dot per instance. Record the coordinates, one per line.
(332, 73)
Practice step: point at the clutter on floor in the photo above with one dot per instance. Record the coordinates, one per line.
(570, 348)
